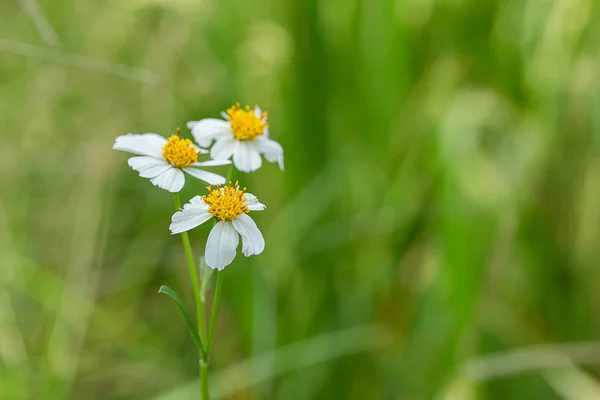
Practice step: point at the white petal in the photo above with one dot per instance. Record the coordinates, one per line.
(190, 223)
(195, 206)
(256, 206)
(193, 214)
(221, 245)
(224, 115)
(223, 148)
(253, 241)
(171, 180)
(211, 163)
(271, 149)
(200, 150)
(148, 167)
(246, 157)
(208, 177)
(258, 112)
(190, 124)
(145, 144)
(209, 129)
(197, 200)
(252, 202)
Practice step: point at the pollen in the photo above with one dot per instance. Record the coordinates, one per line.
(245, 124)
(179, 152)
(226, 202)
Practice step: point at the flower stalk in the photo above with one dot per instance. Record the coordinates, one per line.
(204, 363)
(204, 379)
(214, 312)
(185, 238)
(194, 276)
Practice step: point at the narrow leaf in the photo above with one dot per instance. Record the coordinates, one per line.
(171, 293)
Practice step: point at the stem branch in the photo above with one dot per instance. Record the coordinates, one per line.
(215, 311)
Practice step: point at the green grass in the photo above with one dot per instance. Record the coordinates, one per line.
(439, 203)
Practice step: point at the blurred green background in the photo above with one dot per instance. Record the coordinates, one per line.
(438, 215)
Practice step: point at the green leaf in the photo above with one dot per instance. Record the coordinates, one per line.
(171, 293)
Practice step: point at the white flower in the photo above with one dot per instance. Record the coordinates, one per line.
(244, 134)
(163, 161)
(229, 205)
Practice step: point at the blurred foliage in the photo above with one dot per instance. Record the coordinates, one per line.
(440, 198)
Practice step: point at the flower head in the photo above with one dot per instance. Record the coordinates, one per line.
(179, 152)
(243, 134)
(163, 160)
(246, 124)
(226, 203)
(230, 206)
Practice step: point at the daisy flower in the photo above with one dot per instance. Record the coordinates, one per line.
(164, 161)
(244, 134)
(229, 205)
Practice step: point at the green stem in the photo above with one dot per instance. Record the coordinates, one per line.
(204, 379)
(193, 275)
(199, 303)
(213, 319)
(229, 173)
(215, 311)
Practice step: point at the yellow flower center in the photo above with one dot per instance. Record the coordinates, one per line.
(244, 122)
(180, 152)
(226, 203)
